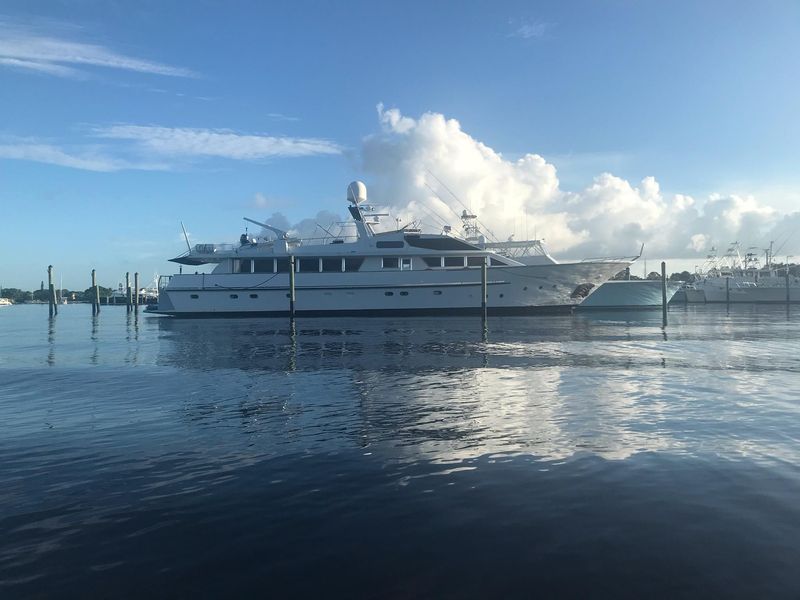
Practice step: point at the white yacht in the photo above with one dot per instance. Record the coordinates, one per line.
(403, 271)
(629, 294)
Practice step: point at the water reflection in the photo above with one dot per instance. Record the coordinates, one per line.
(51, 340)
(438, 390)
(447, 389)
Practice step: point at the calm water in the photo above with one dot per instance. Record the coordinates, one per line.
(550, 456)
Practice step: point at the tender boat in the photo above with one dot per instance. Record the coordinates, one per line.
(399, 272)
(629, 294)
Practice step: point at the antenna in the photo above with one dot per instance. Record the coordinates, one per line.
(324, 229)
(186, 237)
(450, 208)
(483, 226)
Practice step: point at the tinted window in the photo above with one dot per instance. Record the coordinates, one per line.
(331, 264)
(352, 264)
(245, 265)
(475, 261)
(234, 296)
(439, 243)
(263, 265)
(388, 293)
(309, 265)
(404, 293)
(254, 295)
(390, 244)
(433, 261)
(283, 265)
(496, 263)
(391, 263)
(437, 293)
(194, 296)
(453, 261)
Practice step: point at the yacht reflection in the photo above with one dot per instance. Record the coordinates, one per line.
(426, 388)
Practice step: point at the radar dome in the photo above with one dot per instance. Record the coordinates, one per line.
(357, 192)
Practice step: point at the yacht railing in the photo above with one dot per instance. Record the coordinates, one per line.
(213, 248)
(609, 259)
(328, 239)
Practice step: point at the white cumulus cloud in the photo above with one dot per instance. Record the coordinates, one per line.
(414, 163)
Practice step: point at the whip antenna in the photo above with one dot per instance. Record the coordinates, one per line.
(186, 237)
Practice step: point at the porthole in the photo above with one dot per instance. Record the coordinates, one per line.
(541, 287)
(501, 295)
(194, 296)
(404, 293)
(525, 289)
(437, 293)
(254, 295)
(234, 296)
(388, 293)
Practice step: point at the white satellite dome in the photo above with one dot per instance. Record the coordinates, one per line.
(357, 192)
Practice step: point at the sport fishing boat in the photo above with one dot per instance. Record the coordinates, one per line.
(732, 278)
(397, 272)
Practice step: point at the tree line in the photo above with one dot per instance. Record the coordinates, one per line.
(18, 296)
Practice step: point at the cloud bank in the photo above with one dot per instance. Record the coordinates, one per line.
(412, 163)
(25, 48)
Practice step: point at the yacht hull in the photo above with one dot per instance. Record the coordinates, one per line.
(511, 290)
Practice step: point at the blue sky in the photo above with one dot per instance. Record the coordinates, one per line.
(121, 119)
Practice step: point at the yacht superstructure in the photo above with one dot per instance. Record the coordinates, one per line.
(403, 271)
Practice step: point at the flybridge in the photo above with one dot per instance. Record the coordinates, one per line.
(364, 219)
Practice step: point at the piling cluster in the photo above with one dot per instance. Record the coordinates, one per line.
(131, 294)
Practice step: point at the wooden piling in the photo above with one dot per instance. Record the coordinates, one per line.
(136, 292)
(291, 287)
(484, 287)
(727, 290)
(128, 298)
(51, 293)
(663, 294)
(95, 294)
